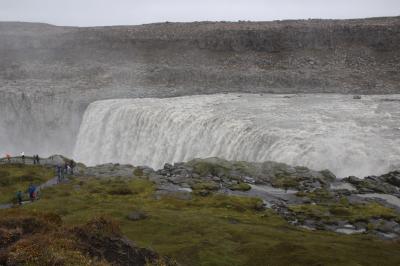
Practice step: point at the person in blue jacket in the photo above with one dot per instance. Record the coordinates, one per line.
(32, 192)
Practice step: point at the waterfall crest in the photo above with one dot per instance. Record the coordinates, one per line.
(336, 132)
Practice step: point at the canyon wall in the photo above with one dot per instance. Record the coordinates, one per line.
(49, 74)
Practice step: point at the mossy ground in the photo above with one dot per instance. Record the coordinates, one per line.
(34, 238)
(14, 177)
(220, 167)
(240, 187)
(331, 210)
(286, 182)
(212, 230)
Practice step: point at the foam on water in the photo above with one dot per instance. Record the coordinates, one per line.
(336, 132)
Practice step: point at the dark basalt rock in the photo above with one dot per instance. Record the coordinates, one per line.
(386, 184)
(392, 178)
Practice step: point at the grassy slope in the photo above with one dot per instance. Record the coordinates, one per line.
(213, 230)
(16, 177)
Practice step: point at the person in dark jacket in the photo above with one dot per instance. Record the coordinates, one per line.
(72, 164)
(19, 197)
(32, 192)
(59, 172)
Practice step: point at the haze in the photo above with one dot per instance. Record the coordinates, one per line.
(131, 12)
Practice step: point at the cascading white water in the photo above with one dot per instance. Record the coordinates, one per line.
(336, 132)
(38, 123)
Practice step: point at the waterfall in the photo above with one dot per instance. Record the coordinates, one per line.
(336, 132)
(38, 123)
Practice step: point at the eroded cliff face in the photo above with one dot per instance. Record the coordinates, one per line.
(48, 74)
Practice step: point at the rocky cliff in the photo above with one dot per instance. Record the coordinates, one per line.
(356, 56)
(49, 74)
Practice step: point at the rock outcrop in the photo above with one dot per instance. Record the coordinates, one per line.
(304, 197)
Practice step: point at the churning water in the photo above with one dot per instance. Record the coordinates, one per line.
(336, 132)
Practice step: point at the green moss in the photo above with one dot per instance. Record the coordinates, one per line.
(319, 195)
(14, 177)
(120, 190)
(285, 182)
(138, 172)
(215, 230)
(209, 186)
(220, 167)
(205, 168)
(338, 211)
(370, 227)
(245, 168)
(35, 238)
(240, 187)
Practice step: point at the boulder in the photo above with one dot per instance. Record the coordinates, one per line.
(137, 215)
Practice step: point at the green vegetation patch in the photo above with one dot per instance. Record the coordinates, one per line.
(220, 167)
(320, 196)
(286, 182)
(214, 230)
(138, 172)
(240, 187)
(343, 211)
(204, 188)
(34, 238)
(204, 168)
(14, 177)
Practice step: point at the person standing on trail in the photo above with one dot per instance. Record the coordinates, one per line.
(8, 156)
(23, 157)
(32, 191)
(36, 159)
(72, 165)
(19, 197)
(66, 167)
(60, 173)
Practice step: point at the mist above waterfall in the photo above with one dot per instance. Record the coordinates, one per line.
(336, 132)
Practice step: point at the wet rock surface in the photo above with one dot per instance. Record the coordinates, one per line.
(386, 184)
(107, 170)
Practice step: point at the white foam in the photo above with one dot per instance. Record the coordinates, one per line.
(349, 137)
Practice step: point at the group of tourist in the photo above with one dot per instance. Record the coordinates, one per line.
(62, 169)
(32, 193)
(36, 159)
(67, 168)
